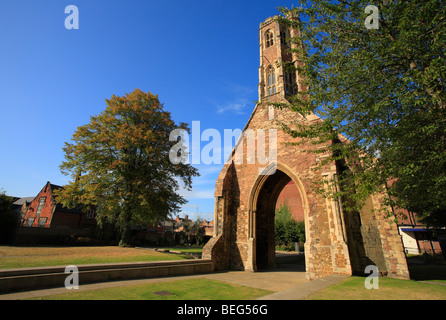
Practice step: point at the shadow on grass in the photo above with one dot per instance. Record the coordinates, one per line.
(288, 262)
(424, 269)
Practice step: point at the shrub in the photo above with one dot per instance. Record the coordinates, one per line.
(287, 230)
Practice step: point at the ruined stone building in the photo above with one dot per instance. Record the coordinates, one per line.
(248, 187)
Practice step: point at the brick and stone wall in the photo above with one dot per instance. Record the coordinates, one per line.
(247, 190)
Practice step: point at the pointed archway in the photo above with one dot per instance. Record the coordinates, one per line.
(262, 204)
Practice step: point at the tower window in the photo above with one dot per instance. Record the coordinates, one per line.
(271, 81)
(269, 38)
(284, 36)
(290, 83)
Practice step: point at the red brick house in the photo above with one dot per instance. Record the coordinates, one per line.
(43, 212)
(208, 227)
(291, 196)
(173, 231)
(417, 238)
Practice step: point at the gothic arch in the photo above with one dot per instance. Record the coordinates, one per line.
(279, 175)
(269, 38)
(260, 181)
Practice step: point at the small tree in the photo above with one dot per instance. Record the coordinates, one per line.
(287, 230)
(198, 230)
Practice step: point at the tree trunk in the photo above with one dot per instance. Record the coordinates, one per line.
(125, 236)
(125, 228)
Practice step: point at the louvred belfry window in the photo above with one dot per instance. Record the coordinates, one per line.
(271, 81)
(269, 38)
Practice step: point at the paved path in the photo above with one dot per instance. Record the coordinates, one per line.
(288, 281)
(303, 290)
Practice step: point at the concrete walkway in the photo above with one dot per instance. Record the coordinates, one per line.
(288, 281)
(303, 290)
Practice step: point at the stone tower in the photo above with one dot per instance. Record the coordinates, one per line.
(247, 188)
(276, 81)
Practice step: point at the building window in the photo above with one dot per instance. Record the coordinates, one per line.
(90, 214)
(290, 82)
(284, 38)
(30, 222)
(40, 206)
(271, 76)
(269, 38)
(42, 222)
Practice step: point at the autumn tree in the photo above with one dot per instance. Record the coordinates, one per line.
(376, 74)
(119, 164)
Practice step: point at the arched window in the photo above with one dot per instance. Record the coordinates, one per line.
(284, 38)
(271, 80)
(269, 38)
(290, 83)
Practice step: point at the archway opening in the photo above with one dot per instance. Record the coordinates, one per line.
(279, 198)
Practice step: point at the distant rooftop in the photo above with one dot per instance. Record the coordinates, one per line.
(21, 201)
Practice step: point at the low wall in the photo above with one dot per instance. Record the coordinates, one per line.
(24, 279)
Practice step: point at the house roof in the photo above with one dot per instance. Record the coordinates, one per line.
(59, 206)
(55, 187)
(21, 201)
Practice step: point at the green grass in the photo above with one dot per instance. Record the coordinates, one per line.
(353, 288)
(206, 289)
(192, 289)
(23, 257)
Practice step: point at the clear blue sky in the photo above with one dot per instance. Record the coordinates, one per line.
(201, 57)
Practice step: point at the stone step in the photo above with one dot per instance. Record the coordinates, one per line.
(49, 277)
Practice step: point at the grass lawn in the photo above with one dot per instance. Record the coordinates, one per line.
(389, 289)
(206, 289)
(193, 289)
(22, 257)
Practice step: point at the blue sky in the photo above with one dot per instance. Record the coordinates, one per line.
(200, 57)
